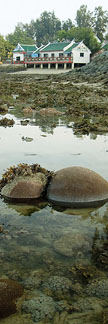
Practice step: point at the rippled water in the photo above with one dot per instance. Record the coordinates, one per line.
(38, 237)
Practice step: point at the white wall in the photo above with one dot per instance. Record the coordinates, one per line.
(56, 54)
(81, 48)
(16, 54)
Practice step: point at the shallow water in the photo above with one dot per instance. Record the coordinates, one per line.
(39, 238)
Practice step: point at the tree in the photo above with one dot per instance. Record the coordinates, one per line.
(88, 37)
(106, 37)
(66, 25)
(5, 48)
(62, 35)
(46, 28)
(84, 18)
(100, 22)
(2, 48)
(19, 36)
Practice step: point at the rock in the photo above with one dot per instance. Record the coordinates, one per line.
(49, 111)
(27, 110)
(6, 122)
(25, 188)
(24, 122)
(98, 288)
(9, 291)
(40, 307)
(73, 245)
(58, 287)
(3, 108)
(27, 139)
(78, 187)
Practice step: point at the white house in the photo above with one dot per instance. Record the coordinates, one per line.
(21, 50)
(79, 52)
(56, 55)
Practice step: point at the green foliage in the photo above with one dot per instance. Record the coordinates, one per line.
(66, 25)
(88, 37)
(62, 35)
(101, 21)
(79, 34)
(46, 28)
(2, 48)
(97, 21)
(106, 37)
(19, 36)
(5, 48)
(84, 18)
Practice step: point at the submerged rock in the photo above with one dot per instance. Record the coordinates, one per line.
(24, 188)
(98, 288)
(9, 291)
(58, 287)
(78, 187)
(40, 307)
(73, 245)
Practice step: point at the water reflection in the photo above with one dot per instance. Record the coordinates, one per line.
(60, 148)
(40, 242)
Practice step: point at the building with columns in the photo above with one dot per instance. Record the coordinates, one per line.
(56, 55)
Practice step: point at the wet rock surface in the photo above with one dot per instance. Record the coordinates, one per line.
(77, 187)
(9, 291)
(25, 188)
(24, 182)
(6, 122)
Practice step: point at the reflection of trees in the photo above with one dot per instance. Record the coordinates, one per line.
(80, 125)
(47, 123)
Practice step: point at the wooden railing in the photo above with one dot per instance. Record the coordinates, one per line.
(48, 59)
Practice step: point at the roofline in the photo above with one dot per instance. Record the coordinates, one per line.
(27, 44)
(45, 46)
(54, 44)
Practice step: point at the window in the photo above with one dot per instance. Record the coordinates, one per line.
(45, 55)
(18, 58)
(69, 54)
(52, 54)
(81, 54)
(60, 54)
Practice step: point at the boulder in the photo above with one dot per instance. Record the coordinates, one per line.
(78, 187)
(10, 290)
(25, 188)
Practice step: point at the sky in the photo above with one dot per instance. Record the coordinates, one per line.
(13, 12)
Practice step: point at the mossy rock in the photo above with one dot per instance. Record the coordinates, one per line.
(24, 188)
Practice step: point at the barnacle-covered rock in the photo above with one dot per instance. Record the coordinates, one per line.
(24, 182)
(25, 188)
